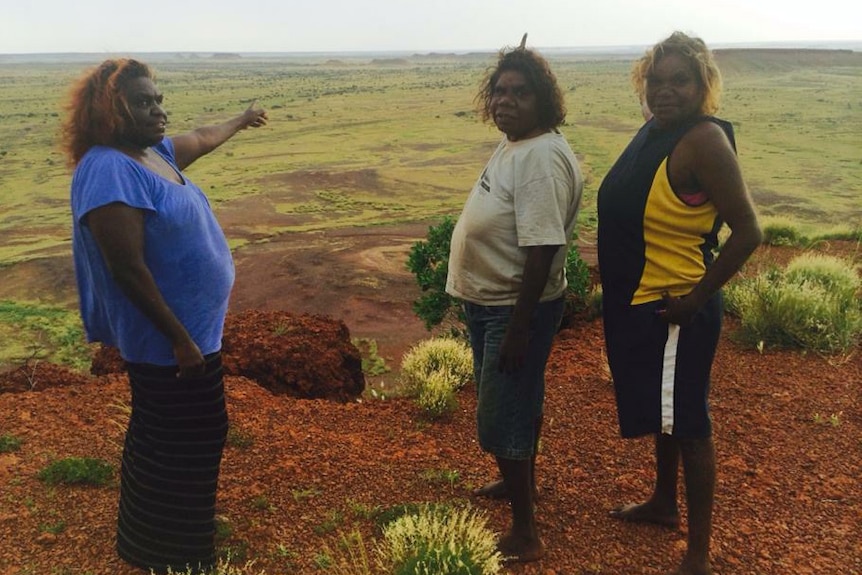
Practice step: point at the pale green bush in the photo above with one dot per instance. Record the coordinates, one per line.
(439, 354)
(437, 394)
(439, 541)
(433, 370)
(834, 275)
(222, 567)
(813, 304)
(349, 556)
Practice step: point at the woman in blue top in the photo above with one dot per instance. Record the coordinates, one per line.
(154, 274)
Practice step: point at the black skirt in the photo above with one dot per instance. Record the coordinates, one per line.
(171, 458)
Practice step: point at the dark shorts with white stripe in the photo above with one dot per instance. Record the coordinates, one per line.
(171, 458)
(661, 371)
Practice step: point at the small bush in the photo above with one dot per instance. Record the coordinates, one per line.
(578, 280)
(429, 262)
(441, 542)
(781, 232)
(833, 274)
(813, 304)
(238, 437)
(437, 395)
(843, 232)
(349, 556)
(77, 471)
(222, 567)
(372, 363)
(9, 443)
(434, 370)
(384, 517)
(450, 356)
(594, 302)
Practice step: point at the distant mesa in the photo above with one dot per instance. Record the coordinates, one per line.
(226, 56)
(390, 62)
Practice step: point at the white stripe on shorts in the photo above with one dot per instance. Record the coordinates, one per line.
(668, 375)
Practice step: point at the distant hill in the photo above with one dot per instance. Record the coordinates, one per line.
(784, 54)
(734, 60)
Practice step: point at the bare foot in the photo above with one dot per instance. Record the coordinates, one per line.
(518, 549)
(684, 570)
(646, 513)
(493, 490)
(497, 490)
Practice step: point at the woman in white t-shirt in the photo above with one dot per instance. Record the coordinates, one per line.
(507, 264)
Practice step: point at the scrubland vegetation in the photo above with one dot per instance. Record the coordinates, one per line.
(395, 141)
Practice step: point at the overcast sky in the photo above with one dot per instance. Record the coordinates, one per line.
(117, 26)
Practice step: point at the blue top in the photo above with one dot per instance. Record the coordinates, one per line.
(184, 248)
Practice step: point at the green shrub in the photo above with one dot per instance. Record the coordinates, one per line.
(372, 363)
(429, 262)
(578, 280)
(441, 542)
(813, 304)
(77, 470)
(9, 443)
(834, 275)
(781, 232)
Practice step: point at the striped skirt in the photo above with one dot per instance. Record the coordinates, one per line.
(170, 468)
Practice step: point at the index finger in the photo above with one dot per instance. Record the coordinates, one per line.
(253, 104)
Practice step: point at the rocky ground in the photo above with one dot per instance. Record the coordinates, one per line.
(298, 472)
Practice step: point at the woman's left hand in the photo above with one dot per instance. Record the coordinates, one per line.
(677, 310)
(254, 117)
(513, 350)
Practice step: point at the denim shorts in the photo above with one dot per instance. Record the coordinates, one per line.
(510, 404)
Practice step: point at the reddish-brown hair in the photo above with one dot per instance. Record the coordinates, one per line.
(97, 109)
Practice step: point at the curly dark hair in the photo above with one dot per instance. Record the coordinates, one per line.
(550, 106)
(97, 109)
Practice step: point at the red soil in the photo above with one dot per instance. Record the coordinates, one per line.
(788, 427)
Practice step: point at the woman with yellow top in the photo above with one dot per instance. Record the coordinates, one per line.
(660, 209)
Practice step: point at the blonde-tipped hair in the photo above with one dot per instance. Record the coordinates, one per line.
(699, 57)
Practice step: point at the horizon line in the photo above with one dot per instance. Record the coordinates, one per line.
(853, 45)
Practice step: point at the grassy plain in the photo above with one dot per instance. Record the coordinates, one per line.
(360, 142)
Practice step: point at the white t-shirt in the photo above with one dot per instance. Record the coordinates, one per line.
(528, 195)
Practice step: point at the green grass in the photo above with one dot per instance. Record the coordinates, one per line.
(77, 471)
(39, 331)
(9, 443)
(414, 129)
